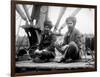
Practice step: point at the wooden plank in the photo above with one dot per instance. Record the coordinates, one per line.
(54, 65)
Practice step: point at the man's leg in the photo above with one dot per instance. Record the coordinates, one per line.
(71, 52)
(47, 55)
(44, 56)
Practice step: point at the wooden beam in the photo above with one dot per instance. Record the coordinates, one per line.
(21, 13)
(26, 11)
(62, 11)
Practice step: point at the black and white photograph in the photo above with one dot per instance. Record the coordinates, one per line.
(54, 38)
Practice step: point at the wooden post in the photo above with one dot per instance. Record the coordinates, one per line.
(43, 17)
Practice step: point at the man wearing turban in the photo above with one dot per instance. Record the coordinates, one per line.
(72, 41)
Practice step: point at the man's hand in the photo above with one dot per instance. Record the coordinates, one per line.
(45, 50)
(59, 41)
(38, 51)
(64, 47)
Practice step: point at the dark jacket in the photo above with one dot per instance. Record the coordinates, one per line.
(74, 36)
(47, 41)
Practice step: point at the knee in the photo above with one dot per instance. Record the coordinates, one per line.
(72, 44)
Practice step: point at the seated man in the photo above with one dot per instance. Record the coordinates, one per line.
(46, 49)
(72, 41)
(42, 50)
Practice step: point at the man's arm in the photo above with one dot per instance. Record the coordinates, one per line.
(79, 40)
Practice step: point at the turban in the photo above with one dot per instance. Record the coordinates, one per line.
(73, 19)
(48, 24)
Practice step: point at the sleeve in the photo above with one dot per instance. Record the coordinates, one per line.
(52, 40)
(78, 40)
(66, 39)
